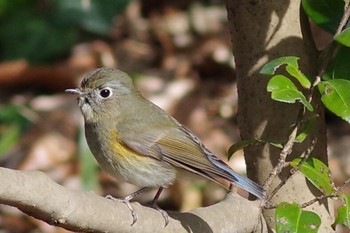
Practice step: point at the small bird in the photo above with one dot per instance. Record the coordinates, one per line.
(139, 143)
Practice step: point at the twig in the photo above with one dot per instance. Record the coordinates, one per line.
(306, 204)
(287, 149)
(344, 19)
(269, 205)
(345, 183)
(316, 199)
(305, 156)
(334, 45)
(280, 184)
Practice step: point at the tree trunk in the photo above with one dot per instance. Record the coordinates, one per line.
(261, 31)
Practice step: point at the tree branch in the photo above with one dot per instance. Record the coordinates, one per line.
(37, 195)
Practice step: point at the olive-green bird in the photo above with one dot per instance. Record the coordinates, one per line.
(139, 143)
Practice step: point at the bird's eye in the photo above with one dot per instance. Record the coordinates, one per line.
(105, 93)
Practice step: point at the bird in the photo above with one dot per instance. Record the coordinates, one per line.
(137, 142)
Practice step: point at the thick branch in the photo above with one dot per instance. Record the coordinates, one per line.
(37, 195)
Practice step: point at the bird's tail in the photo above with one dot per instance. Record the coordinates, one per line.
(247, 184)
(239, 180)
(226, 171)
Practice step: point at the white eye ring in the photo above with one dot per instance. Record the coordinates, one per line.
(105, 93)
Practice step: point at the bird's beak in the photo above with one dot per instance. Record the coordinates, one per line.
(75, 91)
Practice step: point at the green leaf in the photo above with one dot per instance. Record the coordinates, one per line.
(291, 218)
(344, 37)
(307, 126)
(271, 67)
(335, 95)
(284, 90)
(296, 73)
(317, 173)
(292, 68)
(344, 212)
(339, 66)
(276, 144)
(242, 144)
(325, 13)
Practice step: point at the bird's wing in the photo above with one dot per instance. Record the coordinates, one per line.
(178, 147)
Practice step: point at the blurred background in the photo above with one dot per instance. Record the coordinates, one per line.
(179, 55)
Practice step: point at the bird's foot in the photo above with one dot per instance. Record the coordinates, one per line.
(126, 201)
(163, 212)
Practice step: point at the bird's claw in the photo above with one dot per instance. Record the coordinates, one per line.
(163, 212)
(126, 201)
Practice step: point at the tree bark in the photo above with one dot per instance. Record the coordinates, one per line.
(35, 194)
(263, 30)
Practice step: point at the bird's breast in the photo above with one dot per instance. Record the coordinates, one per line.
(127, 165)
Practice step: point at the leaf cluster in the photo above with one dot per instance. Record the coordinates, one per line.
(40, 31)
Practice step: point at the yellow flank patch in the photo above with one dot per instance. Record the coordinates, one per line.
(120, 149)
(138, 169)
(125, 155)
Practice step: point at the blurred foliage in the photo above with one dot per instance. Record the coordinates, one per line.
(40, 31)
(89, 168)
(12, 124)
